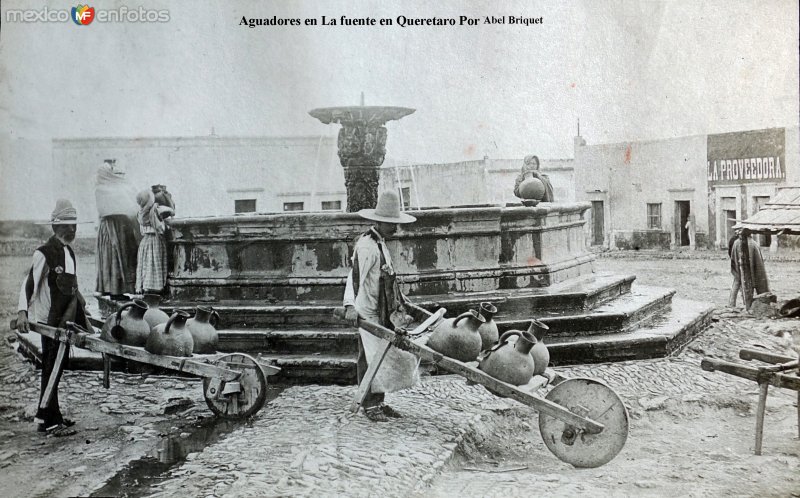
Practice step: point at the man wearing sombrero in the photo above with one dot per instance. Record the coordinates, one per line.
(372, 292)
(50, 295)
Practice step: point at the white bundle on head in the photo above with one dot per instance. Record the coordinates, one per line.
(113, 193)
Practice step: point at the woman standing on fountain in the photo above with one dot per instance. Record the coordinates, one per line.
(151, 272)
(118, 234)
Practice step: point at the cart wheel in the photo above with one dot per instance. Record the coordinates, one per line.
(591, 399)
(252, 391)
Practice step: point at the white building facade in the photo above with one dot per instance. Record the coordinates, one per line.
(644, 193)
(211, 175)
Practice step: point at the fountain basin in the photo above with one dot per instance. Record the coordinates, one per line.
(305, 257)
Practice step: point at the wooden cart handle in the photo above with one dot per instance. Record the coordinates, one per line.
(498, 387)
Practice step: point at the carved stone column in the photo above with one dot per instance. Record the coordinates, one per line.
(362, 146)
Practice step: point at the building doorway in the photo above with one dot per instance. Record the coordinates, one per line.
(730, 220)
(682, 209)
(598, 212)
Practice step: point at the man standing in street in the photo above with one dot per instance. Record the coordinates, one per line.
(372, 293)
(50, 295)
(758, 273)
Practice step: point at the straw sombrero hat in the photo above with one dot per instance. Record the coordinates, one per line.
(387, 210)
(63, 214)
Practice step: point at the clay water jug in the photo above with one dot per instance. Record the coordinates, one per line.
(127, 327)
(488, 330)
(105, 332)
(204, 334)
(531, 188)
(154, 315)
(458, 337)
(511, 361)
(171, 338)
(539, 352)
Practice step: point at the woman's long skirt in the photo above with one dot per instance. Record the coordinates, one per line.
(116, 254)
(151, 272)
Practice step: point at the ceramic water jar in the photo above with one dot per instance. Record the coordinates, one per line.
(531, 188)
(204, 335)
(488, 330)
(511, 361)
(172, 338)
(154, 315)
(458, 337)
(539, 352)
(127, 326)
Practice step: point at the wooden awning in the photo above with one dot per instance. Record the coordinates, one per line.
(779, 216)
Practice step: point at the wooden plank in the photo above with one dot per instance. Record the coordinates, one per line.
(751, 373)
(106, 371)
(762, 406)
(765, 356)
(473, 374)
(86, 341)
(366, 382)
(51, 381)
(171, 362)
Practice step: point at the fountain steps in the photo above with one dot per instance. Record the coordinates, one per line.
(663, 335)
(619, 315)
(614, 318)
(626, 322)
(584, 294)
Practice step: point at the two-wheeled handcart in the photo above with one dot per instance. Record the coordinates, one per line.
(234, 384)
(582, 421)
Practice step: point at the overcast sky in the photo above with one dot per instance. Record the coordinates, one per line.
(630, 70)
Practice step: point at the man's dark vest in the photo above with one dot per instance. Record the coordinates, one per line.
(53, 252)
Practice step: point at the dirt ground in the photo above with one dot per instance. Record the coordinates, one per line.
(695, 445)
(678, 448)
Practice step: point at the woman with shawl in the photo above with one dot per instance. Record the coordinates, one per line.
(151, 272)
(530, 167)
(117, 235)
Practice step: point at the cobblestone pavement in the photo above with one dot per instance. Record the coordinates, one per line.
(328, 451)
(306, 443)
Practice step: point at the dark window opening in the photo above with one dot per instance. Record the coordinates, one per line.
(244, 206)
(405, 194)
(654, 216)
(292, 206)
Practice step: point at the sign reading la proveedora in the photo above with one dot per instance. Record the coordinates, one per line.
(756, 156)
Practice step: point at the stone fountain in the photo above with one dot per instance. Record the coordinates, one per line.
(362, 146)
(276, 278)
